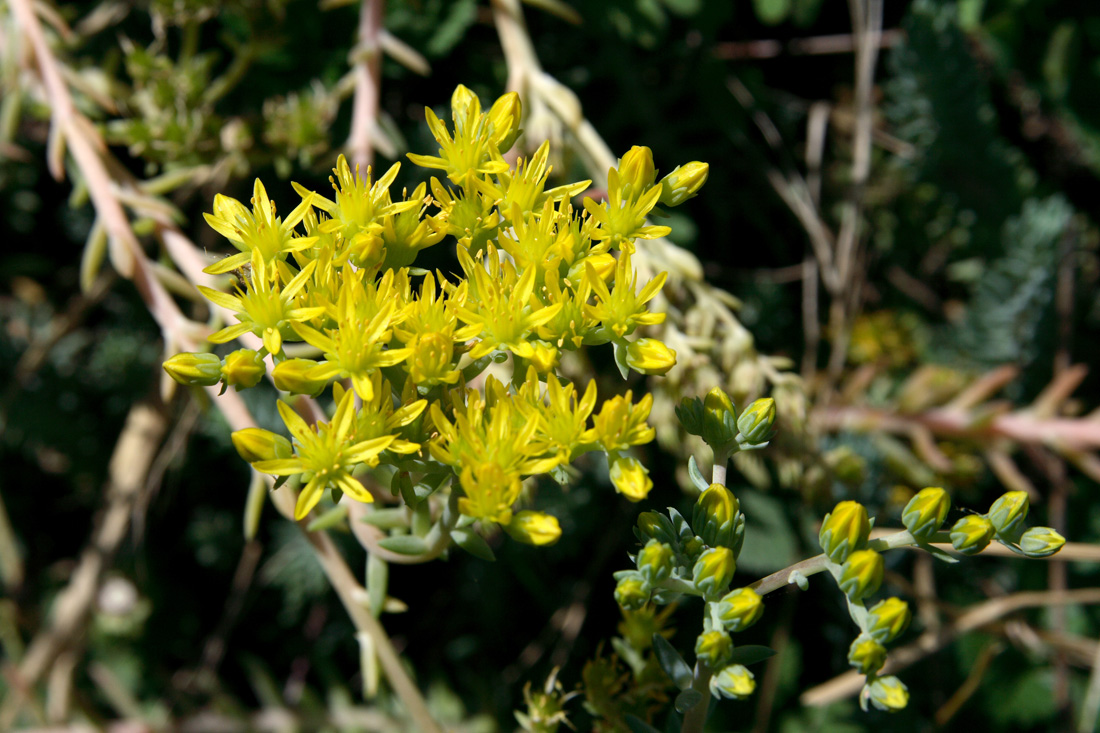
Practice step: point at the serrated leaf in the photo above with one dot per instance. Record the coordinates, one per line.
(671, 662)
(751, 654)
(473, 543)
(688, 699)
(404, 544)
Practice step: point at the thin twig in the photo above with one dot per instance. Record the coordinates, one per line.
(368, 75)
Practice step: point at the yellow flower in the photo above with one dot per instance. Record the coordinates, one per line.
(564, 421)
(534, 528)
(325, 457)
(523, 190)
(471, 151)
(258, 230)
(468, 216)
(264, 309)
(650, 356)
(405, 233)
(620, 309)
(622, 216)
(621, 424)
(630, 478)
(490, 492)
(377, 418)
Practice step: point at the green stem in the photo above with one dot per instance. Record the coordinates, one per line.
(697, 716)
(718, 473)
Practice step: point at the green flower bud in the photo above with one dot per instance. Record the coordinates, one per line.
(733, 682)
(845, 530)
(713, 648)
(505, 116)
(292, 376)
(690, 414)
(715, 514)
(655, 561)
(195, 370)
(925, 512)
(713, 571)
(534, 528)
(683, 183)
(656, 526)
(243, 368)
(257, 444)
(650, 356)
(631, 592)
(739, 609)
(630, 478)
(1008, 513)
(861, 575)
(971, 534)
(888, 619)
(866, 654)
(886, 693)
(1041, 542)
(755, 423)
(719, 428)
(693, 547)
(636, 168)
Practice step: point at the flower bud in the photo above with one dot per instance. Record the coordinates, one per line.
(719, 420)
(715, 515)
(1041, 542)
(461, 99)
(655, 561)
(243, 368)
(971, 534)
(292, 376)
(630, 477)
(713, 648)
(1008, 513)
(195, 370)
(257, 444)
(866, 654)
(734, 682)
(713, 571)
(505, 115)
(888, 619)
(636, 169)
(845, 530)
(861, 575)
(534, 528)
(886, 693)
(739, 609)
(683, 183)
(755, 423)
(925, 512)
(544, 357)
(694, 546)
(656, 526)
(631, 592)
(650, 356)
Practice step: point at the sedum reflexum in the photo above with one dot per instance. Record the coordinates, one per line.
(445, 384)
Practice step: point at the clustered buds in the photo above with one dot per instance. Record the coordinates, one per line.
(714, 418)
(240, 369)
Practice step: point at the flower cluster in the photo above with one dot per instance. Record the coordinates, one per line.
(409, 356)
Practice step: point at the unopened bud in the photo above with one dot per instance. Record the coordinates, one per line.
(243, 368)
(713, 648)
(971, 534)
(461, 100)
(631, 592)
(734, 682)
(866, 654)
(683, 183)
(886, 693)
(257, 444)
(1008, 513)
(195, 370)
(655, 526)
(925, 512)
(861, 575)
(650, 356)
(756, 423)
(888, 619)
(534, 528)
(715, 516)
(504, 116)
(630, 477)
(1041, 542)
(845, 530)
(292, 376)
(739, 609)
(719, 420)
(636, 169)
(655, 561)
(713, 571)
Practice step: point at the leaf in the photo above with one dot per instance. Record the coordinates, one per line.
(696, 475)
(772, 12)
(940, 554)
(620, 358)
(671, 662)
(404, 544)
(688, 699)
(751, 654)
(473, 543)
(334, 517)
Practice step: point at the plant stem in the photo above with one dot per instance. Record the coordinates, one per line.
(697, 716)
(718, 473)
